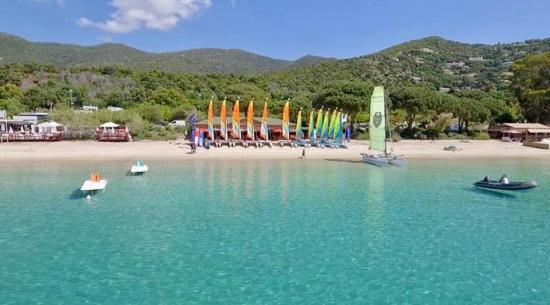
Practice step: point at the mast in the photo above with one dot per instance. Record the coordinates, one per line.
(387, 126)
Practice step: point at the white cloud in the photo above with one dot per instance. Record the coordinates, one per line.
(132, 15)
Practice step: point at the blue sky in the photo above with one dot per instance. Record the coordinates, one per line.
(282, 29)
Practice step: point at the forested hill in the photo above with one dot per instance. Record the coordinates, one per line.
(14, 49)
(433, 62)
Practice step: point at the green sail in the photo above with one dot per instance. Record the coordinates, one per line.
(377, 123)
(319, 125)
(311, 126)
(338, 127)
(332, 123)
(326, 121)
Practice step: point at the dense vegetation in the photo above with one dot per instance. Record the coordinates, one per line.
(431, 82)
(14, 49)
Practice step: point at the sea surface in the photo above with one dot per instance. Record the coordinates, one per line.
(274, 232)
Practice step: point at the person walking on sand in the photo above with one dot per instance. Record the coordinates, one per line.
(304, 153)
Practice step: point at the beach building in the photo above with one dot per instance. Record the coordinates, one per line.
(31, 117)
(112, 132)
(520, 132)
(275, 127)
(26, 131)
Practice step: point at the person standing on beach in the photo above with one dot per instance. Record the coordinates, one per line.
(304, 153)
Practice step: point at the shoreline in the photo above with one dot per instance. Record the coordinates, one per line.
(178, 150)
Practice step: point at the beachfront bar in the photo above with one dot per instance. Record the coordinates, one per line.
(520, 132)
(112, 132)
(25, 131)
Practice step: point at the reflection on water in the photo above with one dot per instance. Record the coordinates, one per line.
(374, 200)
(268, 232)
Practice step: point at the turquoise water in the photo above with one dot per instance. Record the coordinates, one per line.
(277, 232)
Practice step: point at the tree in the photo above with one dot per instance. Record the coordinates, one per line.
(414, 100)
(171, 97)
(11, 105)
(531, 84)
(468, 110)
(350, 96)
(9, 91)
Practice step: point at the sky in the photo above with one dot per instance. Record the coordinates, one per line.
(286, 29)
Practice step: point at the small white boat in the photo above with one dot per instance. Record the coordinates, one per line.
(139, 168)
(378, 160)
(94, 184)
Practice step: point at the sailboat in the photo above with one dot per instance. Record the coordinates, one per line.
(264, 130)
(299, 132)
(311, 128)
(223, 125)
(378, 130)
(236, 125)
(250, 136)
(318, 131)
(211, 137)
(286, 125)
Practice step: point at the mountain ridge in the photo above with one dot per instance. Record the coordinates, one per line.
(15, 49)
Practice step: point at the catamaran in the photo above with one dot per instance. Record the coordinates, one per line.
(211, 136)
(378, 130)
(299, 132)
(264, 130)
(286, 126)
(250, 136)
(139, 168)
(223, 139)
(94, 184)
(236, 126)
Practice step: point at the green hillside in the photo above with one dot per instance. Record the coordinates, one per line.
(432, 62)
(14, 49)
(425, 78)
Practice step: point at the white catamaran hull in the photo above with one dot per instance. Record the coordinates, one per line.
(92, 186)
(136, 170)
(376, 160)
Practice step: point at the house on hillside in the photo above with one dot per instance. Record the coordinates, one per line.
(530, 132)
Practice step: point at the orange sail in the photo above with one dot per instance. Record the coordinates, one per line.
(286, 121)
(211, 121)
(250, 121)
(236, 121)
(223, 121)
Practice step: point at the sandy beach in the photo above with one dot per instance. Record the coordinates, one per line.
(413, 149)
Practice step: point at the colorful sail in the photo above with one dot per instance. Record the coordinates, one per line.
(250, 121)
(264, 131)
(211, 121)
(326, 121)
(319, 125)
(236, 123)
(311, 127)
(377, 124)
(223, 121)
(332, 123)
(299, 132)
(286, 121)
(337, 135)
